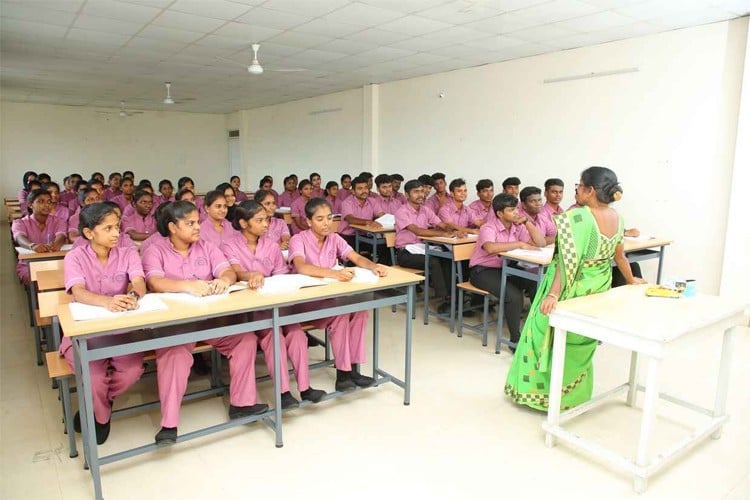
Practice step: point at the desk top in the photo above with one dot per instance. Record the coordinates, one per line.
(626, 309)
(444, 240)
(631, 245)
(241, 301)
(373, 230)
(43, 255)
(50, 280)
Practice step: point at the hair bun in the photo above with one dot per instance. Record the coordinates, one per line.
(617, 196)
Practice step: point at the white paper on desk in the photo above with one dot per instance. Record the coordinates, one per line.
(387, 220)
(639, 238)
(26, 251)
(148, 303)
(542, 253)
(415, 248)
(286, 283)
(361, 275)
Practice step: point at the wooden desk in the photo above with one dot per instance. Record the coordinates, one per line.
(626, 318)
(372, 236)
(396, 288)
(446, 249)
(50, 280)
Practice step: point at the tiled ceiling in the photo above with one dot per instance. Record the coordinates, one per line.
(99, 52)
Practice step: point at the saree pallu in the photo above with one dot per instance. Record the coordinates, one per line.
(583, 256)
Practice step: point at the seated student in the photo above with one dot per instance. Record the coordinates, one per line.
(396, 180)
(315, 252)
(187, 183)
(98, 185)
(87, 197)
(317, 191)
(81, 185)
(231, 198)
(124, 241)
(43, 178)
(99, 177)
(369, 178)
(128, 174)
(346, 187)
(454, 212)
(69, 192)
(235, 181)
(299, 221)
(507, 230)
(441, 196)
(101, 272)
(414, 219)
(185, 194)
(635, 268)
(531, 208)
(140, 225)
(156, 236)
(331, 194)
(511, 185)
(553, 194)
(113, 190)
(125, 198)
(481, 209)
(427, 184)
(254, 257)
(216, 228)
(25, 190)
(277, 231)
(37, 231)
(385, 202)
(166, 191)
(56, 208)
(290, 193)
(358, 209)
(182, 262)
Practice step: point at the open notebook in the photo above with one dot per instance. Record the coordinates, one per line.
(147, 303)
(286, 283)
(26, 251)
(194, 299)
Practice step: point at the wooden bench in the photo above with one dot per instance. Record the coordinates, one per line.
(39, 322)
(482, 327)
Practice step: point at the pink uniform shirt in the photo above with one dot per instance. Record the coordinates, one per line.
(305, 244)
(82, 267)
(477, 211)
(123, 203)
(352, 206)
(383, 205)
(241, 196)
(317, 193)
(287, 198)
(458, 216)
(61, 212)
(66, 197)
(204, 261)
(298, 210)
(545, 226)
(266, 260)
(139, 223)
(406, 216)
(344, 194)
(209, 232)
(493, 231)
(400, 197)
(31, 228)
(276, 229)
(335, 204)
(433, 202)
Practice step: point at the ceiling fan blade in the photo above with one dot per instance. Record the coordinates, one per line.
(287, 70)
(219, 58)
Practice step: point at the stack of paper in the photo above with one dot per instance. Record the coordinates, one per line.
(287, 283)
(387, 220)
(148, 303)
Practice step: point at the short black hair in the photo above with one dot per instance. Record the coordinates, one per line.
(184, 180)
(303, 183)
(456, 183)
(484, 184)
(511, 181)
(529, 191)
(234, 177)
(359, 180)
(503, 201)
(314, 174)
(366, 175)
(438, 175)
(553, 182)
(426, 180)
(411, 185)
(261, 195)
(165, 182)
(345, 176)
(125, 173)
(314, 204)
(33, 195)
(83, 194)
(113, 175)
(182, 192)
(211, 197)
(383, 179)
(92, 215)
(140, 194)
(397, 177)
(224, 186)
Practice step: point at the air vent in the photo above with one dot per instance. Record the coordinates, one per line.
(234, 133)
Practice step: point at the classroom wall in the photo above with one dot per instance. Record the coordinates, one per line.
(63, 139)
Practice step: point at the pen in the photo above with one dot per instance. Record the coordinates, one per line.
(134, 295)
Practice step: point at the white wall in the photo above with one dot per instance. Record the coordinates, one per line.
(295, 137)
(60, 140)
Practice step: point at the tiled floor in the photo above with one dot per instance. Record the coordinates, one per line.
(460, 438)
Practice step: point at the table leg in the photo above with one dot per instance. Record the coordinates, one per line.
(500, 309)
(375, 341)
(633, 380)
(648, 419)
(407, 355)
(452, 320)
(356, 240)
(661, 263)
(559, 340)
(276, 332)
(86, 403)
(426, 284)
(722, 387)
(375, 249)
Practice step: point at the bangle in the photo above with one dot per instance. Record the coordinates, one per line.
(550, 294)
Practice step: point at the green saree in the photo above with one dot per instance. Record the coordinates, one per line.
(583, 256)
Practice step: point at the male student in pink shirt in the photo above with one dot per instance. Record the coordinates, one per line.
(397, 180)
(385, 202)
(441, 196)
(512, 185)
(454, 211)
(507, 230)
(357, 209)
(531, 208)
(481, 209)
(553, 194)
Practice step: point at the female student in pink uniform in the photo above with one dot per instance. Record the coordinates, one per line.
(253, 258)
(278, 231)
(123, 241)
(299, 219)
(215, 227)
(182, 262)
(56, 208)
(87, 197)
(38, 231)
(25, 189)
(332, 195)
(100, 272)
(141, 225)
(230, 196)
(315, 252)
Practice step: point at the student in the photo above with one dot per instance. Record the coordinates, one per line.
(384, 202)
(125, 198)
(100, 272)
(123, 241)
(290, 192)
(113, 190)
(187, 183)
(235, 181)
(531, 208)
(454, 212)
(185, 194)
(216, 228)
(70, 192)
(56, 209)
(299, 221)
(230, 196)
(278, 230)
(253, 258)
(331, 194)
(511, 186)
(315, 252)
(368, 176)
(427, 183)
(268, 179)
(156, 236)
(128, 174)
(397, 180)
(553, 194)
(140, 225)
(165, 192)
(87, 197)
(317, 191)
(508, 230)
(25, 190)
(43, 178)
(414, 219)
(99, 177)
(441, 196)
(37, 231)
(358, 209)
(346, 187)
(480, 210)
(98, 185)
(182, 262)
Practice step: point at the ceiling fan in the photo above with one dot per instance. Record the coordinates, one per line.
(123, 113)
(256, 69)
(170, 100)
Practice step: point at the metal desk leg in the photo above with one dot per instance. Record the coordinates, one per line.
(375, 341)
(648, 420)
(87, 417)
(722, 386)
(661, 263)
(633, 380)
(407, 355)
(277, 378)
(356, 240)
(555, 388)
(452, 320)
(375, 249)
(500, 310)
(427, 284)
